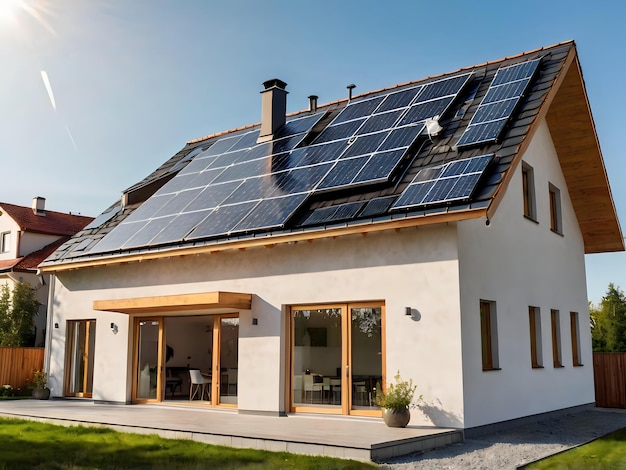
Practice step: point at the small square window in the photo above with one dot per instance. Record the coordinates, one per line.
(556, 223)
(528, 187)
(5, 242)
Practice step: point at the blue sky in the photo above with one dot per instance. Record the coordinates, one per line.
(133, 80)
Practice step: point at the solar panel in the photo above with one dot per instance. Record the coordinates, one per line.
(323, 215)
(446, 183)
(236, 185)
(377, 206)
(499, 103)
(104, 217)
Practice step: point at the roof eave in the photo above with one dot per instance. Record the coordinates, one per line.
(568, 115)
(273, 240)
(574, 135)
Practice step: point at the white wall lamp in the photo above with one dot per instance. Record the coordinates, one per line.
(114, 328)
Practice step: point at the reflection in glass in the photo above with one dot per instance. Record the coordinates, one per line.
(229, 356)
(317, 357)
(366, 340)
(147, 359)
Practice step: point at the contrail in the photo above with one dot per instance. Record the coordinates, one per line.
(46, 82)
(71, 138)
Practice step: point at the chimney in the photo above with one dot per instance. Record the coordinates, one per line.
(39, 205)
(274, 108)
(313, 103)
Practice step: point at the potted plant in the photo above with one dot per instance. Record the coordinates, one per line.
(396, 401)
(40, 384)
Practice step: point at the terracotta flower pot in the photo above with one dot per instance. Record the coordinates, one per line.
(41, 393)
(396, 418)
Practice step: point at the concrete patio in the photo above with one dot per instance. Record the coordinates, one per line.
(344, 437)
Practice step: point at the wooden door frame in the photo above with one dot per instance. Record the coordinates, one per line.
(160, 360)
(71, 348)
(346, 358)
(216, 360)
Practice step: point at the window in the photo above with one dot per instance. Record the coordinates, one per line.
(555, 210)
(488, 335)
(556, 338)
(528, 185)
(536, 356)
(5, 242)
(575, 334)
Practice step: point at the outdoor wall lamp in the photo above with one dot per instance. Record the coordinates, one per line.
(113, 327)
(408, 311)
(255, 321)
(56, 325)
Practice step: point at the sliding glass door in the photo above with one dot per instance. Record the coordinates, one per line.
(81, 341)
(148, 359)
(336, 358)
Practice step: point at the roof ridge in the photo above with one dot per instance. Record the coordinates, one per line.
(399, 85)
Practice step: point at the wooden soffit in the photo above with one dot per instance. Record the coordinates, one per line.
(176, 303)
(574, 135)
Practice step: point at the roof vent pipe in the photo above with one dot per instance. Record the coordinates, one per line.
(313, 103)
(350, 87)
(39, 205)
(274, 108)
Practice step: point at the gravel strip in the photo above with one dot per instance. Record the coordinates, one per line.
(517, 446)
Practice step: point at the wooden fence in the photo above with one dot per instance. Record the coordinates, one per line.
(18, 364)
(609, 375)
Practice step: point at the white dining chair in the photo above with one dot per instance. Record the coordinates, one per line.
(199, 384)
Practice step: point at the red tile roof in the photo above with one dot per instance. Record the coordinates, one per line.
(52, 223)
(32, 260)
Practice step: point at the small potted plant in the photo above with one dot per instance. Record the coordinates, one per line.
(40, 384)
(396, 401)
(6, 391)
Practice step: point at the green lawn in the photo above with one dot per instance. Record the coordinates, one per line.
(33, 445)
(608, 452)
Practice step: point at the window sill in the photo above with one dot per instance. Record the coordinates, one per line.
(559, 366)
(532, 219)
(557, 232)
(490, 369)
(579, 365)
(537, 367)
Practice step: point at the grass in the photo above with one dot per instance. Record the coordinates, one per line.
(608, 452)
(34, 445)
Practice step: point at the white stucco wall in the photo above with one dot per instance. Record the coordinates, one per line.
(414, 268)
(518, 263)
(30, 242)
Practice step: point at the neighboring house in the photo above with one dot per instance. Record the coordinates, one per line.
(28, 235)
(437, 228)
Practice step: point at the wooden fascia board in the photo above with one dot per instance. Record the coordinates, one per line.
(438, 218)
(574, 135)
(176, 303)
(532, 129)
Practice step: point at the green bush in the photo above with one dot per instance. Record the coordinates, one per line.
(399, 395)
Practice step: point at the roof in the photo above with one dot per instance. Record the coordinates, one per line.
(434, 150)
(31, 261)
(51, 223)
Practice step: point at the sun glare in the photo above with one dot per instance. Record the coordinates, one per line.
(9, 10)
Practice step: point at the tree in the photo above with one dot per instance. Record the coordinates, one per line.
(17, 309)
(608, 322)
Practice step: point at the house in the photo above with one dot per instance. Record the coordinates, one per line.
(437, 228)
(28, 235)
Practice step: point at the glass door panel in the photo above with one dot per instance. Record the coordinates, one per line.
(148, 378)
(317, 358)
(81, 344)
(228, 360)
(366, 356)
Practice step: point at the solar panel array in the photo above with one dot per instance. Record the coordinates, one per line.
(454, 181)
(503, 95)
(238, 186)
